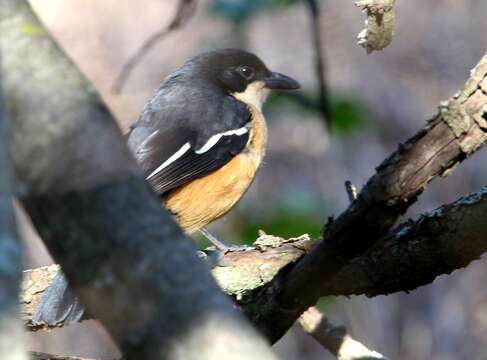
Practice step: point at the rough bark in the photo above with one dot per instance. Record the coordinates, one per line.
(457, 131)
(411, 255)
(416, 252)
(34, 284)
(11, 338)
(125, 258)
(379, 26)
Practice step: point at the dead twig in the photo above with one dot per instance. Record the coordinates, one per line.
(184, 12)
(351, 191)
(333, 338)
(323, 102)
(43, 356)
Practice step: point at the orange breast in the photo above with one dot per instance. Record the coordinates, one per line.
(206, 199)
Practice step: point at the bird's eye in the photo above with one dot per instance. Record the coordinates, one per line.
(247, 72)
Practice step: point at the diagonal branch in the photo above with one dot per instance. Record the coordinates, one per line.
(126, 259)
(335, 339)
(457, 131)
(184, 12)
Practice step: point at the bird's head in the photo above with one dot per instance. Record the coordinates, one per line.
(242, 75)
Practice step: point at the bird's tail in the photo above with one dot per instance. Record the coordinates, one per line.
(57, 305)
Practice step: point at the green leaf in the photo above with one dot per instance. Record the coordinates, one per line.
(347, 114)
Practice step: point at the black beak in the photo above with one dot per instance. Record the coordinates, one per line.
(277, 81)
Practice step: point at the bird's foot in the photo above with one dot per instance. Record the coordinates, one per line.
(234, 247)
(224, 247)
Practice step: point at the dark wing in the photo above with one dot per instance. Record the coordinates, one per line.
(172, 156)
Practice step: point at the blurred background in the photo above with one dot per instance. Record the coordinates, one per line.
(376, 102)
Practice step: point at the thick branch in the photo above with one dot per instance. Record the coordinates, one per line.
(416, 252)
(237, 273)
(11, 340)
(455, 133)
(125, 258)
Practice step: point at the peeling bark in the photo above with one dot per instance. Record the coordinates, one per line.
(379, 26)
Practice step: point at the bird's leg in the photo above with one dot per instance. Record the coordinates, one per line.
(220, 245)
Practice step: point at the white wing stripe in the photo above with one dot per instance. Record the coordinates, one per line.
(215, 138)
(209, 144)
(172, 159)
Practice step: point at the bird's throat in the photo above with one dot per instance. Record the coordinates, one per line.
(254, 95)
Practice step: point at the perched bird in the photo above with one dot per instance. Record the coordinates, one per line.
(202, 137)
(200, 141)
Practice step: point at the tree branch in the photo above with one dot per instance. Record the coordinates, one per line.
(184, 12)
(323, 103)
(457, 131)
(42, 356)
(411, 255)
(416, 252)
(123, 255)
(11, 339)
(335, 339)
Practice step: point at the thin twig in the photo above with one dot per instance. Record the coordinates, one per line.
(185, 11)
(323, 96)
(43, 356)
(351, 191)
(333, 338)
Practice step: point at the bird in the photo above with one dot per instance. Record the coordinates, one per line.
(201, 138)
(199, 141)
